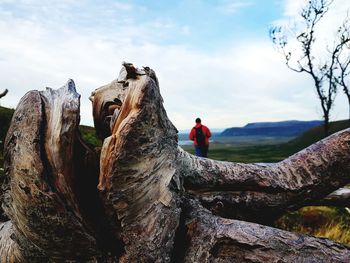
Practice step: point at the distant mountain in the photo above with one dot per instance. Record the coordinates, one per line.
(275, 129)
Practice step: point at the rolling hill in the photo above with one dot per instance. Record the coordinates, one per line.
(315, 134)
(274, 129)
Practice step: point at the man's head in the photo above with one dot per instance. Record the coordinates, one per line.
(198, 120)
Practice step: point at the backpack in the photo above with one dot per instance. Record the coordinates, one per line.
(200, 138)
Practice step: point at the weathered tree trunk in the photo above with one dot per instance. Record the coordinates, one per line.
(42, 198)
(144, 199)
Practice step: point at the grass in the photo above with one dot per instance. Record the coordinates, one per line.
(319, 221)
(244, 154)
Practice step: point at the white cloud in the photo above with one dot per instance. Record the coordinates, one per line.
(293, 7)
(230, 7)
(122, 6)
(337, 11)
(186, 30)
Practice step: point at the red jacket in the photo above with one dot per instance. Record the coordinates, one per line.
(206, 133)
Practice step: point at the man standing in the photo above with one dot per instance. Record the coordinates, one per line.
(200, 134)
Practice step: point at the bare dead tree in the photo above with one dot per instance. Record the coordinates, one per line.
(343, 61)
(323, 73)
(142, 198)
(3, 94)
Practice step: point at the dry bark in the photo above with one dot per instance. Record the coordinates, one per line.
(137, 167)
(9, 250)
(138, 200)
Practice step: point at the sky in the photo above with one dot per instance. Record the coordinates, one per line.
(213, 58)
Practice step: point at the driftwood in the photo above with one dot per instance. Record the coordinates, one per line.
(143, 199)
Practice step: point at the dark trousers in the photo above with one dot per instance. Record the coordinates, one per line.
(202, 151)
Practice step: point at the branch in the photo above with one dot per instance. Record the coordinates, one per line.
(309, 175)
(339, 198)
(311, 15)
(214, 239)
(3, 94)
(280, 41)
(344, 36)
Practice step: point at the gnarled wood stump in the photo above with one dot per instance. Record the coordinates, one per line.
(142, 198)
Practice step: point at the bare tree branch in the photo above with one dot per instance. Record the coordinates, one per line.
(343, 64)
(3, 94)
(324, 75)
(340, 198)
